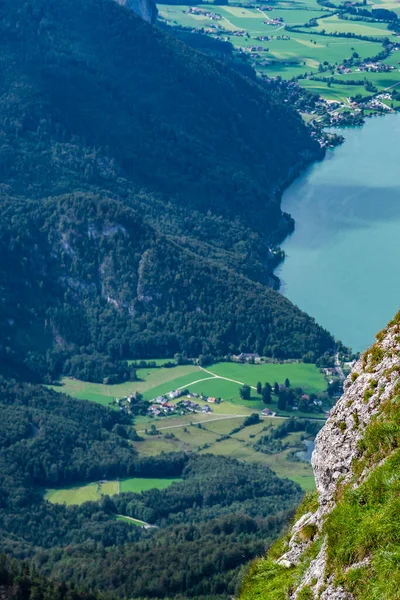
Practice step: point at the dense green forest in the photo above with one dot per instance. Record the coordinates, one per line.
(140, 194)
(20, 582)
(209, 525)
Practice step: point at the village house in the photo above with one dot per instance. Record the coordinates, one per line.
(248, 356)
(174, 394)
(160, 399)
(266, 412)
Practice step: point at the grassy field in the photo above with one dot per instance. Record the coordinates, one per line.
(94, 491)
(151, 382)
(338, 92)
(206, 438)
(285, 53)
(199, 432)
(142, 484)
(380, 80)
(155, 382)
(333, 24)
(300, 375)
(80, 494)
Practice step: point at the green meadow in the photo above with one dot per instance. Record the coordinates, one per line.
(199, 432)
(94, 491)
(151, 382)
(302, 375)
(333, 24)
(219, 437)
(286, 53)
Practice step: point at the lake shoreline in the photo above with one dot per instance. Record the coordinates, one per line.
(347, 220)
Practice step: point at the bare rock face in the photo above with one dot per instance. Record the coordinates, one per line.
(371, 382)
(146, 9)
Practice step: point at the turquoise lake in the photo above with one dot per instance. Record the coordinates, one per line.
(343, 260)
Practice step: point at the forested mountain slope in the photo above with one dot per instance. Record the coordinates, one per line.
(140, 180)
(211, 523)
(345, 542)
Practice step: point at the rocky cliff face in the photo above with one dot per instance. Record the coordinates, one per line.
(146, 9)
(345, 541)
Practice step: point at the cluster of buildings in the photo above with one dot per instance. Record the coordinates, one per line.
(376, 68)
(162, 407)
(191, 406)
(247, 357)
(193, 10)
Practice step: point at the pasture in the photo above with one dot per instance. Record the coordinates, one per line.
(302, 375)
(216, 437)
(338, 92)
(91, 492)
(78, 494)
(333, 24)
(150, 383)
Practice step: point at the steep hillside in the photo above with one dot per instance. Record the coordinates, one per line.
(345, 542)
(140, 182)
(146, 9)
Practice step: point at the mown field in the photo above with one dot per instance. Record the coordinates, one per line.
(94, 491)
(219, 437)
(288, 53)
(333, 24)
(199, 432)
(151, 382)
(284, 53)
(157, 381)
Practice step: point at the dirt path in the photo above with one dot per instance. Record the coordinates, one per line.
(226, 378)
(197, 381)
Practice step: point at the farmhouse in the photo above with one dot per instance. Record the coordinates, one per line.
(175, 394)
(246, 357)
(266, 412)
(212, 400)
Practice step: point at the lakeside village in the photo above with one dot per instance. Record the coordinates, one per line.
(320, 112)
(182, 401)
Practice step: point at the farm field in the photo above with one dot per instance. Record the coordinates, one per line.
(79, 494)
(380, 80)
(337, 92)
(94, 491)
(210, 382)
(216, 437)
(333, 24)
(142, 484)
(302, 375)
(284, 53)
(161, 379)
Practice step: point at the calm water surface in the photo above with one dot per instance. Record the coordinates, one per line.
(343, 260)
